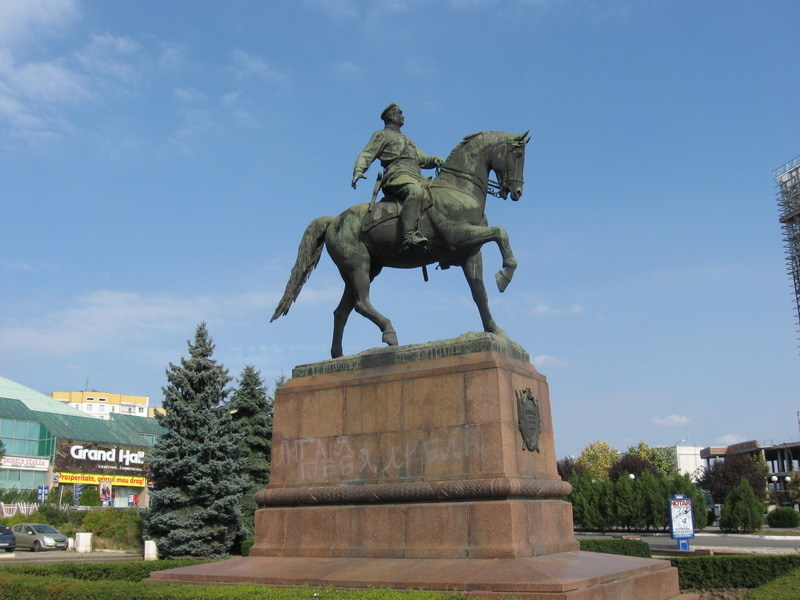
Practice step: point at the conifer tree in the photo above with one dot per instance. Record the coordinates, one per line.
(196, 466)
(742, 512)
(251, 410)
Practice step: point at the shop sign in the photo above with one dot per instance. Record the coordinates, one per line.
(97, 478)
(75, 456)
(25, 462)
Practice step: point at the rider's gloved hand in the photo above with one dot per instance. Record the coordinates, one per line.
(356, 177)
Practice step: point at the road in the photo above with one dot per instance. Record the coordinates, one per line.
(709, 539)
(712, 539)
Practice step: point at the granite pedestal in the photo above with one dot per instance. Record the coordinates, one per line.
(407, 467)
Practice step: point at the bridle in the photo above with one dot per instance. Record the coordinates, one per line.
(498, 189)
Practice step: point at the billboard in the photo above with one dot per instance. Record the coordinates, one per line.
(93, 457)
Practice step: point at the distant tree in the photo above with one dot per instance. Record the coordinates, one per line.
(658, 456)
(196, 465)
(592, 503)
(742, 511)
(654, 495)
(723, 476)
(630, 464)
(2, 450)
(251, 410)
(794, 486)
(629, 503)
(597, 458)
(568, 466)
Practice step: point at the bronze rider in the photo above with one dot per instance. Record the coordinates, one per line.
(402, 178)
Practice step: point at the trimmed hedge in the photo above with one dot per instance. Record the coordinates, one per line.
(740, 571)
(115, 571)
(782, 588)
(617, 546)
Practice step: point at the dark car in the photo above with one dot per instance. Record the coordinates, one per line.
(8, 540)
(37, 536)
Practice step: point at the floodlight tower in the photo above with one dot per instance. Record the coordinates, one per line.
(788, 180)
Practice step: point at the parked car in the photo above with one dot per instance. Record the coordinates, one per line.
(37, 536)
(8, 540)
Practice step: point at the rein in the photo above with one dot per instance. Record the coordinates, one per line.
(490, 187)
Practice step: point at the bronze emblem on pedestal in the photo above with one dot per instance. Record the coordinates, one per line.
(530, 421)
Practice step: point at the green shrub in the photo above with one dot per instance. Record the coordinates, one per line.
(782, 588)
(246, 545)
(90, 497)
(784, 516)
(741, 571)
(742, 512)
(122, 526)
(617, 546)
(34, 517)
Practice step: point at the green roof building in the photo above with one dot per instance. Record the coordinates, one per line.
(48, 443)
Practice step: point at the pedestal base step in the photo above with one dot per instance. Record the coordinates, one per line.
(563, 576)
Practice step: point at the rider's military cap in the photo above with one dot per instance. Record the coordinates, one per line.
(387, 109)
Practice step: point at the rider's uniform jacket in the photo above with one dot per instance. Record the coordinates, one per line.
(399, 157)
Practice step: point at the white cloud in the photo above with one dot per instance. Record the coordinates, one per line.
(48, 83)
(672, 421)
(729, 439)
(21, 20)
(248, 65)
(109, 55)
(15, 266)
(346, 70)
(102, 317)
(171, 58)
(188, 95)
(543, 310)
(551, 361)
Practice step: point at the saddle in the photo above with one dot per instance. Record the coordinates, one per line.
(388, 208)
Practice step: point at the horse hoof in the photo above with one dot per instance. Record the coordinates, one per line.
(502, 280)
(389, 338)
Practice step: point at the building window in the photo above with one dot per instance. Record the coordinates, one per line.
(101, 399)
(101, 408)
(141, 409)
(23, 438)
(89, 398)
(89, 407)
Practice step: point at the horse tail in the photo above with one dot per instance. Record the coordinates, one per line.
(307, 258)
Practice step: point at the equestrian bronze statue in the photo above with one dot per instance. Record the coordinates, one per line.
(367, 237)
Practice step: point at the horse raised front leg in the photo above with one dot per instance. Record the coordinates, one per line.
(477, 235)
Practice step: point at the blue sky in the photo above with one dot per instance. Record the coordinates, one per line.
(160, 160)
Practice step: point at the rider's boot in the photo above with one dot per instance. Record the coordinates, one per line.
(408, 220)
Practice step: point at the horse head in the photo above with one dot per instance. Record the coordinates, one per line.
(508, 163)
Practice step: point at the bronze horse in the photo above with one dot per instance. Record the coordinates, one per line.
(365, 238)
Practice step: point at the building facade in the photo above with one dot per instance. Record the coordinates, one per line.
(781, 460)
(52, 445)
(104, 404)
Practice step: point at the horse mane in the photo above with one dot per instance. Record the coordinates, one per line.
(462, 145)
